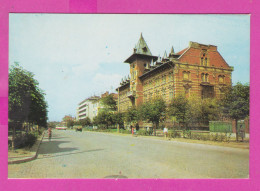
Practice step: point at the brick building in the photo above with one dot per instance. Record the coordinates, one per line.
(197, 70)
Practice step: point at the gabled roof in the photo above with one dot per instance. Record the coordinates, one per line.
(182, 51)
(192, 55)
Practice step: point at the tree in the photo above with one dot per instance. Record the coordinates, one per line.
(70, 123)
(179, 109)
(235, 103)
(201, 111)
(108, 102)
(104, 118)
(26, 99)
(153, 111)
(69, 120)
(118, 118)
(85, 122)
(131, 115)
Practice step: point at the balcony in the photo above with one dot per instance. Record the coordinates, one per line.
(130, 94)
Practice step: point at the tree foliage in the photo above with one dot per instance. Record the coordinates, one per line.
(235, 103)
(118, 118)
(108, 102)
(131, 115)
(201, 111)
(179, 108)
(104, 119)
(85, 122)
(26, 99)
(153, 111)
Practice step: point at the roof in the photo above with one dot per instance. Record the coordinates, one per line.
(192, 55)
(182, 51)
(124, 85)
(165, 64)
(141, 49)
(92, 98)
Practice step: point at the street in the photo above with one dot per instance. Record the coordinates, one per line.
(84, 154)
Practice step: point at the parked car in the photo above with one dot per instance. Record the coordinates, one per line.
(78, 128)
(61, 128)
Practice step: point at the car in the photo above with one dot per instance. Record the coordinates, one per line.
(78, 128)
(61, 128)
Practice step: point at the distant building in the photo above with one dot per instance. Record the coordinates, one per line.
(86, 108)
(196, 70)
(91, 106)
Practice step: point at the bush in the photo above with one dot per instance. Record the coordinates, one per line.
(25, 140)
(174, 134)
(187, 134)
(125, 131)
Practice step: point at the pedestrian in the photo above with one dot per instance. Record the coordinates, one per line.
(49, 133)
(132, 129)
(165, 131)
(137, 127)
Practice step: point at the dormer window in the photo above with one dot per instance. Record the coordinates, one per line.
(144, 49)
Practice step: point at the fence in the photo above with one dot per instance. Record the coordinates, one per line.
(220, 126)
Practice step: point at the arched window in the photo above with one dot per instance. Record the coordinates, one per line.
(203, 77)
(204, 58)
(206, 77)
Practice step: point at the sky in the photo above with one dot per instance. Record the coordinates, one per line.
(75, 56)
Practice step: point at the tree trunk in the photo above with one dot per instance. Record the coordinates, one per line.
(236, 130)
(13, 137)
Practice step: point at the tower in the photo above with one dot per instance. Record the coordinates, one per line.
(139, 61)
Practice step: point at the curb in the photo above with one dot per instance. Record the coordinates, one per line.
(29, 158)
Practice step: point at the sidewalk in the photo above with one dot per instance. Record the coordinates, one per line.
(23, 155)
(232, 143)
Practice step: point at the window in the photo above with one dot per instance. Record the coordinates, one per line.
(186, 75)
(204, 59)
(221, 79)
(204, 77)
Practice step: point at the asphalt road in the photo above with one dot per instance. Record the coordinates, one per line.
(73, 154)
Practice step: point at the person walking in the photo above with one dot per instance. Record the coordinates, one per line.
(165, 132)
(49, 133)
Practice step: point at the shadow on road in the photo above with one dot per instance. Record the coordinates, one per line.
(73, 153)
(51, 147)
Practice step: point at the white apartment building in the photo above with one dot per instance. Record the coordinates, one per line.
(88, 108)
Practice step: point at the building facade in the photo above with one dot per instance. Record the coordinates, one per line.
(197, 70)
(91, 106)
(87, 108)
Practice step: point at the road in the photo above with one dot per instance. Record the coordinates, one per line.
(73, 154)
